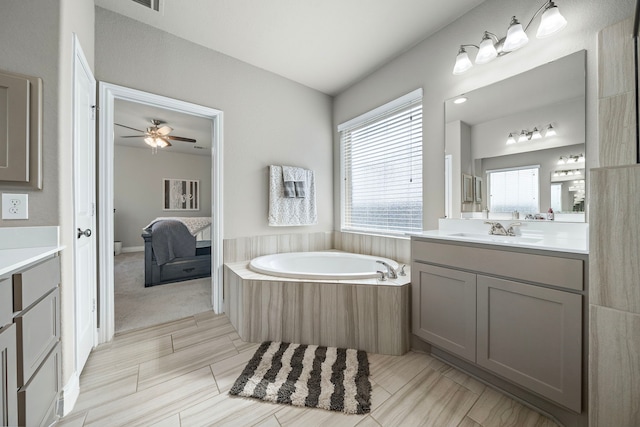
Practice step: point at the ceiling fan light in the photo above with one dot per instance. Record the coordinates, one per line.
(487, 51)
(551, 22)
(161, 142)
(463, 63)
(150, 141)
(516, 37)
(164, 130)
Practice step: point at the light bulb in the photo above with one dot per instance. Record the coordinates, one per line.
(516, 37)
(551, 22)
(487, 51)
(463, 63)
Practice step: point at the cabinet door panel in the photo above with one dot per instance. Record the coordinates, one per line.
(532, 336)
(32, 284)
(444, 308)
(8, 386)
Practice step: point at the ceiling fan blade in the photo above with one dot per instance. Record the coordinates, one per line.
(128, 127)
(180, 138)
(164, 130)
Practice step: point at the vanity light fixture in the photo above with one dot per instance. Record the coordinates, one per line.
(511, 139)
(551, 131)
(535, 134)
(492, 46)
(562, 161)
(524, 136)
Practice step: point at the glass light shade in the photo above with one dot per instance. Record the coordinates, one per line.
(487, 51)
(162, 143)
(536, 134)
(463, 63)
(550, 131)
(551, 22)
(561, 161)
(150, 141)
(516, 37)
(524, 136)
(511, 139)
(165, 130)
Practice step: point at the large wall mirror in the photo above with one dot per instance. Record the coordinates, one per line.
(523, 142)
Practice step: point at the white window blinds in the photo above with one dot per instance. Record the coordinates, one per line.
(514, 190)
(382, 169)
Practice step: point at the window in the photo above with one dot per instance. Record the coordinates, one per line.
(514, 189)
(382, 168)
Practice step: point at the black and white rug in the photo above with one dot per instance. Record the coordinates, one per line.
(330, 378)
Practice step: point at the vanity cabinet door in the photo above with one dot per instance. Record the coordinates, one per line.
(532, 336)
(444, 308)
(8, 377)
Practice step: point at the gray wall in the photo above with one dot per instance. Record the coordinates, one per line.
(267, 119)
(138, 191)
(429, 65)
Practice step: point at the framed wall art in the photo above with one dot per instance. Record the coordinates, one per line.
(181, 194)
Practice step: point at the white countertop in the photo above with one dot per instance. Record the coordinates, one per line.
(559, 237)
(21, 246)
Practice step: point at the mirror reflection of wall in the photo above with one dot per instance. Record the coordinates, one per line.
(529, 121)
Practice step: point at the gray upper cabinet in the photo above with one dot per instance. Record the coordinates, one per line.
(20, 131)
(533, 336)
(444, 308)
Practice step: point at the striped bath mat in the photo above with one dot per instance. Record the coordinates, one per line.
(308, 375)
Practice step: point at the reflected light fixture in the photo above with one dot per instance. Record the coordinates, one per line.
(550, 131)
(492, 46)
(536, 134)
(527, 135)
(524, 136)
(511, 139)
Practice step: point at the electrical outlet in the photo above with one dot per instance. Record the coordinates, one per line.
(15, 206)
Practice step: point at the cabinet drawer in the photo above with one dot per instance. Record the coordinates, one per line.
(8, 384)
(532, 336)
(188, 268)
(549, 270)
(38, 332)
(6, 308)
(32, 284)
(37, 399)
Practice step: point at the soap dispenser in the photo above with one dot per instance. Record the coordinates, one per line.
(550, 214)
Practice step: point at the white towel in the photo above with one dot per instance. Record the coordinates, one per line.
(285, 211)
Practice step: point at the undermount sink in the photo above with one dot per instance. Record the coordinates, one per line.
(495, 238)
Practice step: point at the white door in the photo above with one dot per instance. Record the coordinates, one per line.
(84, 169)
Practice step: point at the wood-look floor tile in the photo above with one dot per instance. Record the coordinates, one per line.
(99, 389)
(468, 422)
(368, 421)
(497, 410)
(393, 372)
(73, 419)
(225, 410)
(216, 328)
(205, 315)
(228, 370)
(164, 329)
(430, 399)
(270, 421)
(189, 359)
(245, 346)
(155, 403)
(172, 421)
(297, 416)
(129, 355)
(463, 379)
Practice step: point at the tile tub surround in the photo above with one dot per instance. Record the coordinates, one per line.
(395, 248)
(362, 314)
(247, 248)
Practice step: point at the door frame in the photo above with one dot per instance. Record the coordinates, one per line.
(108, 93)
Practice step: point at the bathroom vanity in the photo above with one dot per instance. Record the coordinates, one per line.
(29, 328)
(510, 312)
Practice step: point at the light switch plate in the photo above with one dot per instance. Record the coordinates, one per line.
(15, 206)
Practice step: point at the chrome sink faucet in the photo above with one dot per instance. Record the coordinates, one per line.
(499, 230)
(391, 273)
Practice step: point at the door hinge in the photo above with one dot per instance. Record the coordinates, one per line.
(92, 209)
(94, 108)
(93, 308)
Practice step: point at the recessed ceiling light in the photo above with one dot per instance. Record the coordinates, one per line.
(460, 100)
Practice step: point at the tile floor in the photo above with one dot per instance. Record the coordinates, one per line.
(178, 374)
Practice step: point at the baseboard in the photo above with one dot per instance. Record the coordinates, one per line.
(132, 249)
(70, 393)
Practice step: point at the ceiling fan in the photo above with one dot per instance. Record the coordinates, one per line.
(156, 135)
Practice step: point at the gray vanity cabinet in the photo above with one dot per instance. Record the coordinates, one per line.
(8, 365)
(532, 336)
(516, 315)
(444, 308)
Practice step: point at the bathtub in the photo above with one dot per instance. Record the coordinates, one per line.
(321, 265)
(323, 298)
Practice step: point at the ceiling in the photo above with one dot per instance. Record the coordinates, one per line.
(139, 116)
(327, 45)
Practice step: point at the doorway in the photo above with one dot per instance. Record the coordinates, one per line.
(109, 94)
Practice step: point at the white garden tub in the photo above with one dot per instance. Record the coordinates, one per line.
(321, 265)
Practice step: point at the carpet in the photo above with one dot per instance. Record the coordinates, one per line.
(330, 378)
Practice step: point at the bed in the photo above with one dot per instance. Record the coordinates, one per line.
(174, 250)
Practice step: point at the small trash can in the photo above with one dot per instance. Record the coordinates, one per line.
(117, 247)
